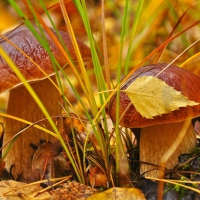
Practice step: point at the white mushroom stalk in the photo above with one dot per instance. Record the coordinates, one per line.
(156, 140)
(22, 105)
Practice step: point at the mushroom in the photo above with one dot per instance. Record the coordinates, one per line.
(158, 134)
(20, 103)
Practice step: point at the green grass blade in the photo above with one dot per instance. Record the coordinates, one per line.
(133, 34)
(117, 131)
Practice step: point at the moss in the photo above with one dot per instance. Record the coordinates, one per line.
(181, 191)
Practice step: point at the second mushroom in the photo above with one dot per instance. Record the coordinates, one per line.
(158, 134)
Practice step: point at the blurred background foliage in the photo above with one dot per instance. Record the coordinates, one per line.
(156, 22)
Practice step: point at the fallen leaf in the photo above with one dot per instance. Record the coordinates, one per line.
(42, 163)
(28, 191)
(97, 177)
(153, 97)
(118, 194)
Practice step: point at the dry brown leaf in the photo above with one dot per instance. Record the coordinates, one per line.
(43, 161)
(29, 191)
(97, 178)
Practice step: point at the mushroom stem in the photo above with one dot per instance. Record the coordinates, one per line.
(22, 105)
(157, 139)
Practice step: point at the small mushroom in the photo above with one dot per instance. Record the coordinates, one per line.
(20, 103)
(159, 133)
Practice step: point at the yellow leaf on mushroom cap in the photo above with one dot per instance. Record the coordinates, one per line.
(179, 79)
(153, 97)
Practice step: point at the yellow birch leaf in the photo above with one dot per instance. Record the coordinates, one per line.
(153, 97)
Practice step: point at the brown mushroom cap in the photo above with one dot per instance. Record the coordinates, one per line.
(25, 40)
(180, 79)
